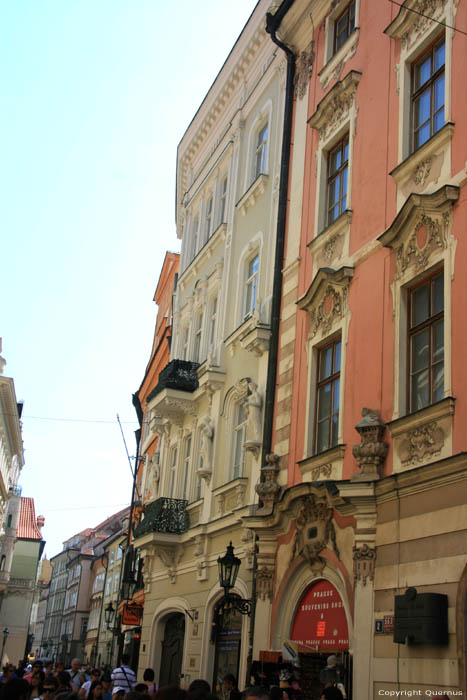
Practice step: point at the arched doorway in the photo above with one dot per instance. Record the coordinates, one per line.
(227, 624)
(172, 650)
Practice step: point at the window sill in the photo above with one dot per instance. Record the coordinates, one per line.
(333, 68)
(426, 168)
(202, 256)
(329, 245)
(424, 436)
(251, 336)
(324, 466)
(253, 193)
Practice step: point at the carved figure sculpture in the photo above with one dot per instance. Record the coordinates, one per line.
(254, 403)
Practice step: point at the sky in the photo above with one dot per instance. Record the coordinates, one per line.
(96, 96)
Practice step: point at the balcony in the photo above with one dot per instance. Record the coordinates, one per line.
(165, 515)
(172, 398)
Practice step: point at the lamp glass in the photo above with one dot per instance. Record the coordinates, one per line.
(228, 565)
(109, 613)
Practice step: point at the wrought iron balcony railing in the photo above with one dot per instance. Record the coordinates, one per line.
(178, 374)
(168, 515)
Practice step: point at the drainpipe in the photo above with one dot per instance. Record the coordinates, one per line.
(272, 25)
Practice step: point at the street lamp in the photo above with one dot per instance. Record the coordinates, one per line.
(229, 565)
(5, 633)
(109, 614)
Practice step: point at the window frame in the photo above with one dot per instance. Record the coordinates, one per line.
(416, 93)
(346, 11)
(260, 161)
(223, 199)
(208, 218)
(251, 283)
(213, 312)
(412, 332)
(188, 444)
(342, 145)
(172, 475)
(239, 428)
(319, 384)
(198, 338)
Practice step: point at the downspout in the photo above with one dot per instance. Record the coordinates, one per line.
(272, 25)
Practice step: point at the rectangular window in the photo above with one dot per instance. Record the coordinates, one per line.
(251, 286)
(108, 584)
(426, 342)
(173, 471)
(208, 222)
(195, 236)
(428, 94)
(327, 396)
(222, 200)
(198, 338)
(119, 553)
(338, 167)
(344, 25)
(261, 151)
(186, 467)
(241, 418)
(212, 321)
(116, 577)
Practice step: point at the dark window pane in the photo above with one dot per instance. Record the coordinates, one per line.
(422, 136)
(323, 436)
(420, 397)
(420, 357)
(439, 57)
(438, 121)
(420, 305)
(438, 294)
(438, 382)
(423, 108)
(439, 93)
(337, 357)
(335, 398)
(334, 426)
(438, 341)
(423, 72)
(325, 369)
(324, 402)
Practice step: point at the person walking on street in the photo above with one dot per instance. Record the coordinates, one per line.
(123, 676)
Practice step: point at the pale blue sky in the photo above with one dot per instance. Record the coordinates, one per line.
(96, 96)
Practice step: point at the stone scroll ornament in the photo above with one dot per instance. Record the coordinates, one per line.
(314, 529)
(371, 452)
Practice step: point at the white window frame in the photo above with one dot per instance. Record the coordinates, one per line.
(262, 118)
(223, 189)
(213, 314)
(172, 472)
(261, 150)
(116, 581)
(209, 216)
(239, 438)
(198, 338)
(342, 52)
(251, 285)
(187, 452)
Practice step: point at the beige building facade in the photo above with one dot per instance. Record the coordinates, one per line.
(208, 406)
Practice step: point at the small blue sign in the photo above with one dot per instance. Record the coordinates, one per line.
(379, 626)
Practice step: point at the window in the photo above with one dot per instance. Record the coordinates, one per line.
(251, 286)
(327, 396)
(119, 553)
(222, 200)
(426, 342)
(261, 150)
(344, 25)
(108, 585)
(112, 557)
(186, 466)
(428, 94)
(198, 338)
(241, 418)
(173, 471)
(195, 236)
(208, 221)
(338, 166)
(212, 321)
(116, 577)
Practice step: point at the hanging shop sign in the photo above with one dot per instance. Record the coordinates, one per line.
(320, 622)
(132, 614)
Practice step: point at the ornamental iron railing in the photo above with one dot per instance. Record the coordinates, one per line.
(178, 374)
(168, 515)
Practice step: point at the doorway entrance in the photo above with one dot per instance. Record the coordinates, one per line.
(227, 654)
(172, 650)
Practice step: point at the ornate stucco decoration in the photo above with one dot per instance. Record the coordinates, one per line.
(249, 540)
(422, 171)
(324, 471)
(364, 559)
(170, 556)
(265, 583)
(421, 229)
(268, 489)
(303, 70)
(425, 440)
(314, 529)
(327, 299)
(371, 452)
(334, 109)
(254, 404)
(414, 19)
(205, 452)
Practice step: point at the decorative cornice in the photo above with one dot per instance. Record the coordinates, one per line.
(335, 107)
(252, 194)
(326, 298)
(414, 18)
(304, 70)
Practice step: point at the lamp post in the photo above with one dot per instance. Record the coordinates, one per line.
(5, 633)
(229, 565)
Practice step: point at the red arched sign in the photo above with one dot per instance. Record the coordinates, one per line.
(320, 622)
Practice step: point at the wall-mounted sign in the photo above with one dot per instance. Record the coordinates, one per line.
(320, 622)
(379, 626)
(132, 614)
(388, 624)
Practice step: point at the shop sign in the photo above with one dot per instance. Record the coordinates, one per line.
(320, 622)
(132, 614)
(388, 624)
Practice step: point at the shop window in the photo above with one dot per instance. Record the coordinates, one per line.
(426, 342)
(428, 94)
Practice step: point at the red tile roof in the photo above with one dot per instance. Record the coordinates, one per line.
(27, 526)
